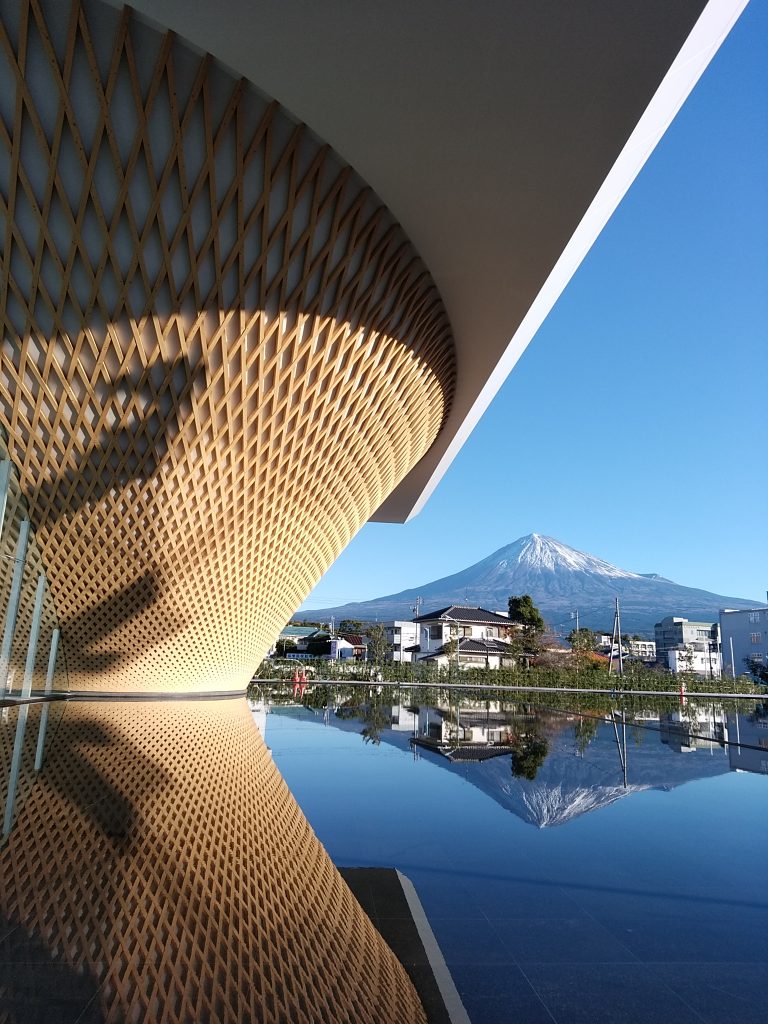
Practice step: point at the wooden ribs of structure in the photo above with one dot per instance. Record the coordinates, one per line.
(219, 355)
(163, 872)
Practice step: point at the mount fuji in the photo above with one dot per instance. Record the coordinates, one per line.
(568, 786)
(560, 580)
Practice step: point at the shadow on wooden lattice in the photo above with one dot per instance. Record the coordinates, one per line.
(93, 629)
(100, 794)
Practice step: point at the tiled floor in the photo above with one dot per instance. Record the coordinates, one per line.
(623, 960)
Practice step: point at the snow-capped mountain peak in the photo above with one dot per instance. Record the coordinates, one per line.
(538, 552)
(560, 579)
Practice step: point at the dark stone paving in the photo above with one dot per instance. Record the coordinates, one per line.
(380, 894)
(36, 988)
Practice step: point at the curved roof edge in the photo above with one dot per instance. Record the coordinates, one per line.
(716, 21)
(501, 137)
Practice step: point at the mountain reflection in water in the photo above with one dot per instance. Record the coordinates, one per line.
(652, 909)
(582, 767)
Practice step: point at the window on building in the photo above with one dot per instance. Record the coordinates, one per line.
(754, 616)
(435, 632)
(755, 638)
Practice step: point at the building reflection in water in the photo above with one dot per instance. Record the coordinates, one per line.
(584, 761)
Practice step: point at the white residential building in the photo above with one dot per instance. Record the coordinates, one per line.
(686, 733)
(744, 639)
(677, 633)
(475, 726)
(439, 627)
(747, 737)
(643, 649)
(700, 658)
(402, 635)
(481, 635)
(686, 646)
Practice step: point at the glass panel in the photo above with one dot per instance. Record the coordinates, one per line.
(28, 631)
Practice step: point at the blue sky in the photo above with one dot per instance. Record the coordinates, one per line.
(634, 427)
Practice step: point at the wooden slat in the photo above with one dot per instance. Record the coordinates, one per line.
(198, 442)
(163, 862)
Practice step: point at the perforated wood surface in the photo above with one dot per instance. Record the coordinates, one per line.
(164, 871)
(219, 352)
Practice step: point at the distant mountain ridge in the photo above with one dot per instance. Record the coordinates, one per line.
(560, 580)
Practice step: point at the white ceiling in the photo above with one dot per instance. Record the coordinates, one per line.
(501, 134)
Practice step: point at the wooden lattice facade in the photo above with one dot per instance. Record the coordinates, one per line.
(163, 872)
(219, 354)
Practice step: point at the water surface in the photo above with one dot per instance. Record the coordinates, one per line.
(568, 897)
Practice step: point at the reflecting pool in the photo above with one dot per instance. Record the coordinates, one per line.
(573, 867)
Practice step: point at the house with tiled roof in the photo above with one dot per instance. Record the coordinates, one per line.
(297, 633)
(481, 636)
(466, 615)
(472, 653)
(358, 642)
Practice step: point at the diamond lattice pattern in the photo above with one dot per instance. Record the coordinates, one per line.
(220, 352)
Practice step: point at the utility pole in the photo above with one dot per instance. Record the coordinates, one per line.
(621, 744)
(616, 638)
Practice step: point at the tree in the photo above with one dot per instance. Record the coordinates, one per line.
(352, 626)
(687, 658)
(528, 626)
(757, 668)
(585, 731)
(582, 640)
(285, 645)
(376, 717)
(451, 648)
(528, 755)
(524, 612)
(378, 647)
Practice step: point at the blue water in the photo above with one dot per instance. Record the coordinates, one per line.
(653, 907)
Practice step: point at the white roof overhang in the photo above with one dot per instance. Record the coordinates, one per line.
(501, 135)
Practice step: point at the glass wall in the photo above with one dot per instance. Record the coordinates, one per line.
(31, 657)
